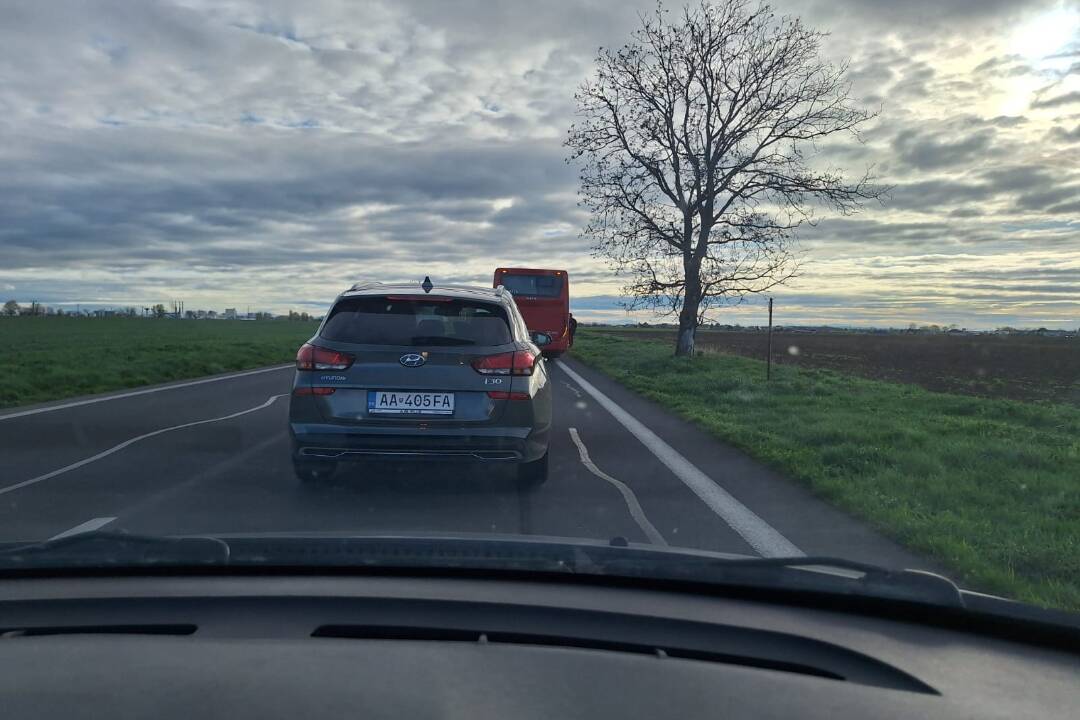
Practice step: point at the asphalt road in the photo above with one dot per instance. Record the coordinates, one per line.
(213, 457)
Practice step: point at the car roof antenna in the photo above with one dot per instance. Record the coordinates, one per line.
(427, 285)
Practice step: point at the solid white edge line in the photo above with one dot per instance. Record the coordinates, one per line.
(145, 391)
(132, 441)
(758, 534)
(88, 526)
(632, 503)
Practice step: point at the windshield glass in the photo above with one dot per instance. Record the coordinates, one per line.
(546, 286)
(626, 288)
(402, 321)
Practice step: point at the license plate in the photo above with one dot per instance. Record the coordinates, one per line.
(410, 403)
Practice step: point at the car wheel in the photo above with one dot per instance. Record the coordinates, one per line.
(553, 354)
(308, 471)
(533, 473)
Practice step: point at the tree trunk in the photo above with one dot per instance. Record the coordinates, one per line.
(688, 318)
(684, 346)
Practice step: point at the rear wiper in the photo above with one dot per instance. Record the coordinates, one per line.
(113, 549)
(440, 340)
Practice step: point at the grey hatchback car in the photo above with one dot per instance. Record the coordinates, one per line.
(417, 373)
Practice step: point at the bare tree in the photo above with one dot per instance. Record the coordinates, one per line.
(695, 142)
(11, 308)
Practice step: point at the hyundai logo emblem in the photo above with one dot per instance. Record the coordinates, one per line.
(412, 360)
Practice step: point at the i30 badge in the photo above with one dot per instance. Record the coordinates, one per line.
(412, 360)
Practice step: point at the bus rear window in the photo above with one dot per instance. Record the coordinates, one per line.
(548, 286)
(380, 320)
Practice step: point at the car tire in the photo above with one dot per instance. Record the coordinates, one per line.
(553, 354)
(533, 473)
(311, 472)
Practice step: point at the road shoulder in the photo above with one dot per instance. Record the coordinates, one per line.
(806, 520)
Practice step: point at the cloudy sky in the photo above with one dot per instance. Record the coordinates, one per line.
(268, 154)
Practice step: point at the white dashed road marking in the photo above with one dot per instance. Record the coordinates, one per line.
(632, 503)
(758, 534)
(132, 441)
(145, 391)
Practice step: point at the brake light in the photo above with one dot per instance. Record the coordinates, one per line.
(519, 362)
(504, 395)
(420, 298)
(313, 357)
(307, 390)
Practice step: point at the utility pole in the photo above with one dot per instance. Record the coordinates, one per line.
(768, 361)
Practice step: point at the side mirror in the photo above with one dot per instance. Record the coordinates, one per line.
(541, 339)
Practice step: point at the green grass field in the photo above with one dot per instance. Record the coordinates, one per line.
(989, 488)
(47, 358)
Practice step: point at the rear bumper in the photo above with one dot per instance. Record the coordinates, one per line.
(492, 444)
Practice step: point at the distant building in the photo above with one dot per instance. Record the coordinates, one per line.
(230, 313)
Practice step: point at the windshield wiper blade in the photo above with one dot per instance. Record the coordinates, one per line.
(815, 574)
(826, 575)
(115, 549)
(440, 340)
(920, 585)
(573, 556)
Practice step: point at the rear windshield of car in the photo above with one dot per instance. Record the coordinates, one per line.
(382, 320)
(533, 285)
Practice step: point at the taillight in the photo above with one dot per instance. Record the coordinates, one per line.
(308, 390)
(504, 395)
(313, 357)
(519, 362)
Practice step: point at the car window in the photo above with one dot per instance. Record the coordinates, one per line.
(523, 328)
(397, 321)
(533, 285)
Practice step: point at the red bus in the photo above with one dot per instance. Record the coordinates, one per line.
(543, 297)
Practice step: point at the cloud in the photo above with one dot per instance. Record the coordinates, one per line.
(1014, 177)
(273, 153)
(1057, 101)
(927, 15)
(1066, 208)
(924, 194)
(927, 152)
(210, 190)
(1004, 66)
(1059, 134)
(1052, 196)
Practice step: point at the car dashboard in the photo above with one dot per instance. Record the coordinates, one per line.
(414, 647)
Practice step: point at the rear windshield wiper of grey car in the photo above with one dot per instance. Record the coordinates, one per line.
(440, 340)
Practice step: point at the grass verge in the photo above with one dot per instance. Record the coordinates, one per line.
(989, 488)
(46, 358)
